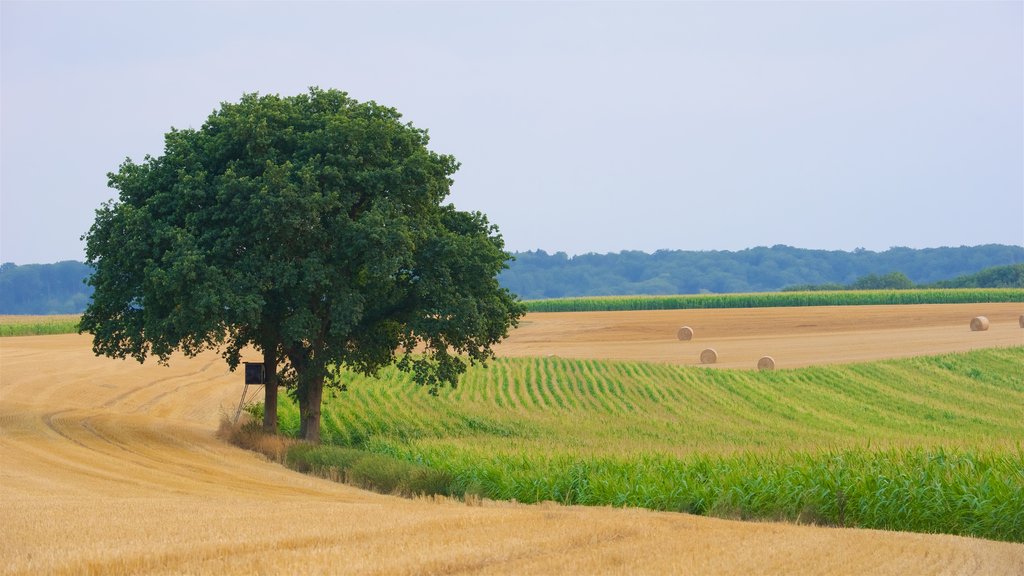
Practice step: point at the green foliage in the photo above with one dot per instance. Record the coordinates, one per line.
(255, 409)
(928, 444)
(997, 277)
(763, 300)
(890, 281)
(311, 227)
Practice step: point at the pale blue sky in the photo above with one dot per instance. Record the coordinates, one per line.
(583, 127)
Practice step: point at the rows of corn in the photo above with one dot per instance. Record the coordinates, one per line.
(929, 444)
(26, 325)
(772, 299)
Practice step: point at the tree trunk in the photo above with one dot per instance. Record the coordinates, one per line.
(270, 390)
(309, 409)
(309, 389)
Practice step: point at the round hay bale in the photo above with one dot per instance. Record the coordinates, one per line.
(1022, 320)
(766, 363)
(708, 356)
(979, 324)
(686, 333)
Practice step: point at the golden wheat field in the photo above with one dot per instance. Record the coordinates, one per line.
(794, 337)
(111, 467)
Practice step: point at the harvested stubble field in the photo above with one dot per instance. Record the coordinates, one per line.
(794, 337)
(110, 467)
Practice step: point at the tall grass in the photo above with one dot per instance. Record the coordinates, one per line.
(774, 299)
(930, 444)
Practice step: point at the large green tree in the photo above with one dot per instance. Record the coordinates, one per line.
(311, 228)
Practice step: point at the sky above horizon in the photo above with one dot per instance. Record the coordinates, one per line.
(580, 127)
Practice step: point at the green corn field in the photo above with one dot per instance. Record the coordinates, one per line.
(772, 299)
(928, 444)
(38, 325)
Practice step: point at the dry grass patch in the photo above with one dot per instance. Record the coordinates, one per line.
(247, 433)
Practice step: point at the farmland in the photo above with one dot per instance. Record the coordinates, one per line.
(118, 461)
(897, 445)
(15, 325)
(794, 336)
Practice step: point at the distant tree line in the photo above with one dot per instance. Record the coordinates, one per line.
(59, 288)
(44, 288)
(1011, 276)
(538, 274)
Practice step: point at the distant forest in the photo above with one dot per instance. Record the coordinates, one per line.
(59, 288)
(44, 288)
(538, 274)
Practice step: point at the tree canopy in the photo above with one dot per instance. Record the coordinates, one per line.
(310, 227)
